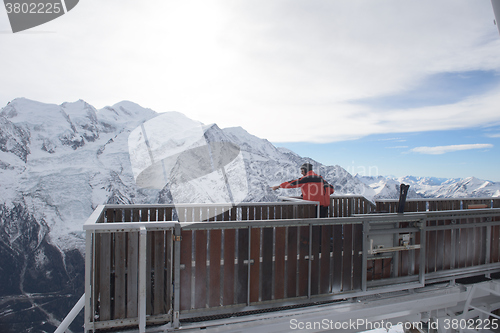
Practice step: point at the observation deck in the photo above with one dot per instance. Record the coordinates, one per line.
(277, 268)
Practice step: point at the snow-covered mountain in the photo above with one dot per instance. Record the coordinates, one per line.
(58, 162)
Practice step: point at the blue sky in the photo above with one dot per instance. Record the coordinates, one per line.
(395, 155)
(453, 153)
(406, 87)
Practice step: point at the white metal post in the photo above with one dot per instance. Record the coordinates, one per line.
(89, 286)
(177, 276)
(142, 279)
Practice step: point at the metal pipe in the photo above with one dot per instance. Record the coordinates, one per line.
(177, 276)
(89, 278)
(142, 279)
(71, 315)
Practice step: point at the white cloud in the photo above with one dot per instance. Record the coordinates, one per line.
(438, 150)
(284, 70)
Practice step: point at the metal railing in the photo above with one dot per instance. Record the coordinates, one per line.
(437, 204)
(142, 268)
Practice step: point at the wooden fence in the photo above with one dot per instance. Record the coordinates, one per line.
(264, 256)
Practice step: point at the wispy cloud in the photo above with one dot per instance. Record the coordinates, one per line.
(438, 150)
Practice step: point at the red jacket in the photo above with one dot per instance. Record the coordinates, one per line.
(313, 186)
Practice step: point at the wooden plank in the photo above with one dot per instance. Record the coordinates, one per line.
(186, 270)
(484, 245)
(255, 264)
(422, 206)
(378, 265)
(447, 247)
(345, 212)
(242, 267)
(411, 206)
(130, 217)
(267, 263)
(369, 270)
(337, 258)
(334, 206)
(456, 235)
(158, 294)
(234, 214)
(315, 264)
(271, 212)
(153, 214)
(144, 214)
(132, 272)
(120, 281)
(477, 244)
(200, 274)
(168, 270)
(303, 263)
(279, 264)
(229, 256)
(386, 268)
(214, 298)
(326, 248)
(110, 215)
(470, 244)
(291, 268)
(431, 249)
(347, 258)
(357, 262)
(440, 245)
(261, 213)
(244, 213)
(464, 235)
(105, 277)
(289, 212)
(149, 270)
(251, 213)
(495, 243)
(162, 214)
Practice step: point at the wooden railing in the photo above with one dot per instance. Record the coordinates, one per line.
(142, 268)
(345, 206)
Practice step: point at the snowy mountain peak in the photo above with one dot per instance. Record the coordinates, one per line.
(125, 112)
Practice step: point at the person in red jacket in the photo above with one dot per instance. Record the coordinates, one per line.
(313, 186)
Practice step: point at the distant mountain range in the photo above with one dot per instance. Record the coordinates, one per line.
(429, 187)
(59, 162)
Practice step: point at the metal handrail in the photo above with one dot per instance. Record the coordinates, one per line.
(64, 325)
